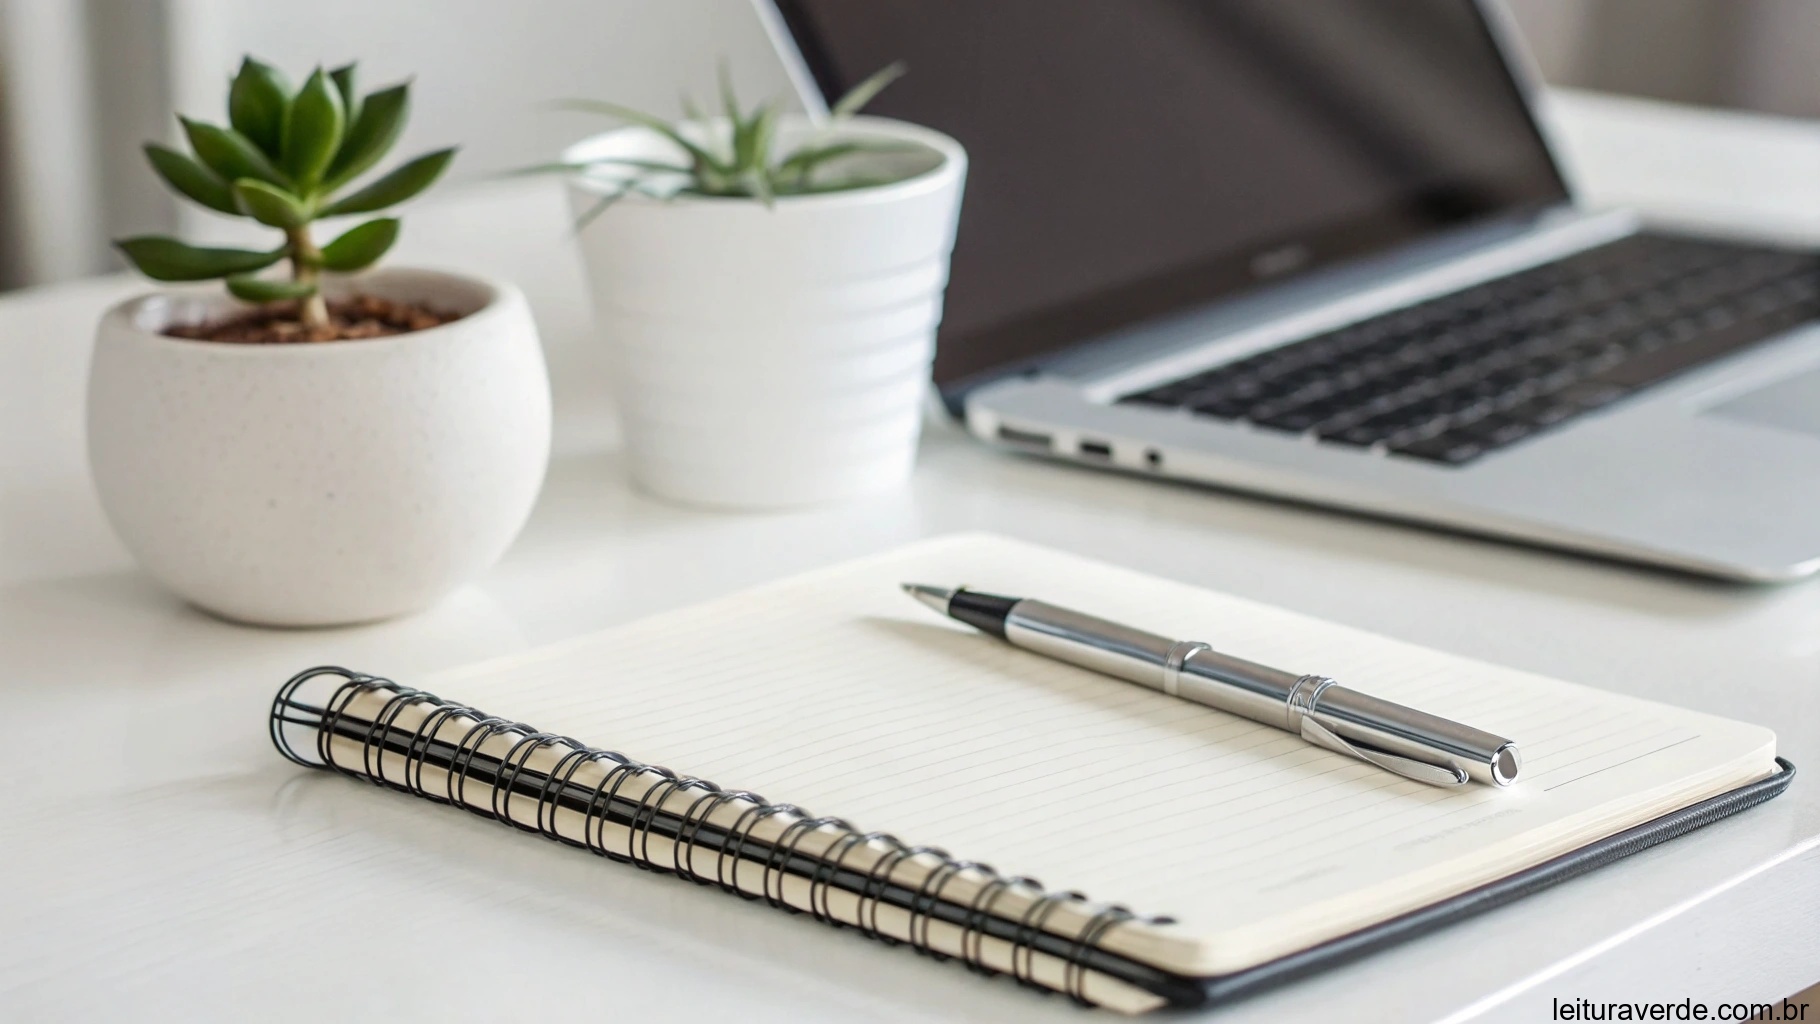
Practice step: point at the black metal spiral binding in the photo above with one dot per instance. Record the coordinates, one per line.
(508, 778)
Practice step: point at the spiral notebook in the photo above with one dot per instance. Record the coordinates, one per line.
(1185, 855)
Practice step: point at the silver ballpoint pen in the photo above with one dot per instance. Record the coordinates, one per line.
(1411, 743)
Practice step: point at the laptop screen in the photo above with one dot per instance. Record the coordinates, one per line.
(1134, 159)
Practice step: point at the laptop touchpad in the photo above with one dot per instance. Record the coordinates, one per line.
(1792, 404)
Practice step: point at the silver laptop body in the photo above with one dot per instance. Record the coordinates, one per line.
(1715, 470)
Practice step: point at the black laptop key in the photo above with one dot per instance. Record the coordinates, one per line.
(1156, 398)
(1542, 413)
(1222, 407)
(1365, 434)
(1295, 421)
(1497, 431)
(1450, 449)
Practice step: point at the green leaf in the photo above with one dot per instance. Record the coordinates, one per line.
(800, 163)
(398, 185)
(313, 131)
(797, 169)
(862, 94)
(261, 289)
(230, 154)
(716, 183)
(370, 136)
(167, 259)
(701, 157)
(743, 164)
(361, 246)
(628, 188)
(269, 204)
(764, 130)
(608, 162)
(753, 153)
(600, 206)
(745, 129)
(811, 157)
(654, 166)
(191, 178)
(752, 138)
(345, 85)
(257, 103)
(605, 202)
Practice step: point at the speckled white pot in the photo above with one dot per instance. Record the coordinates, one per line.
(328, 483)
(770, 356)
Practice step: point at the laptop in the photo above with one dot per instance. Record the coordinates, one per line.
(1322, 251)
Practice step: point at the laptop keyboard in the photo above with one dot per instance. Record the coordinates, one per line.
(1468, 373)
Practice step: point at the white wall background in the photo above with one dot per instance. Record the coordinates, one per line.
(483, 69)
(50, 215)
(1756, 54)
(84, 82)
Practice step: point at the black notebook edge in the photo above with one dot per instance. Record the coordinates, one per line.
(1227, 988)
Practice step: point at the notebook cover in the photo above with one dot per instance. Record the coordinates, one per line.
(1186, 992)
(1177, 990)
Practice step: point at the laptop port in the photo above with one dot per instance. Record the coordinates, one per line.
(1096, 450)
(1153, 458)
(1026, 438)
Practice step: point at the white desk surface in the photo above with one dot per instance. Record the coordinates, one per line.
(159, 859)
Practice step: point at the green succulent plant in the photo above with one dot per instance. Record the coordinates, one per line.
(286, 160)
(736, 154)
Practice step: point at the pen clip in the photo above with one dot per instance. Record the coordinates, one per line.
(1408, 767)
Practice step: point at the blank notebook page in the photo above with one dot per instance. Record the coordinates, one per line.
(838, 693)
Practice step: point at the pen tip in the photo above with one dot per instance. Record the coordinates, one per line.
(934, 597)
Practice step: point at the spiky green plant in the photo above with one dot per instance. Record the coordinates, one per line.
(284, 160)
(736, 154)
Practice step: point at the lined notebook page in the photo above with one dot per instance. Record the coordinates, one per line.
(838, 693)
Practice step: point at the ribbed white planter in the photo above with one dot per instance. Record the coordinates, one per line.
(773, 356)
(326, 483)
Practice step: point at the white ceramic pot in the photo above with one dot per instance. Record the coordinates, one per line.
(773, 356)
(325, 483)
